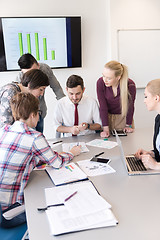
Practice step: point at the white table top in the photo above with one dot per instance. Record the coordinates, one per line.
(135, 200)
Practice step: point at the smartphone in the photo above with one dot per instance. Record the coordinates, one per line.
(119, 132)
(102, 160)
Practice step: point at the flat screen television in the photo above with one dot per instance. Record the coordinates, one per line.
(55, 41)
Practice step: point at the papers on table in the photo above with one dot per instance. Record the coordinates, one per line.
(95, 168)
(101, 143)
(67, 146)
(68, 173)
(85, 210)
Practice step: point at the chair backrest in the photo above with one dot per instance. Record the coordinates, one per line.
(15, 233)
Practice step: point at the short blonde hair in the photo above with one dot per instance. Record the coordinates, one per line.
(23, 104)
(154, 87)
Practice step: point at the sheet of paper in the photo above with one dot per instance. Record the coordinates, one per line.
(67, 146)
(53, 198)
(95, 168)
(102, 144)
(68, 173)
(80, 204)
(61, 221)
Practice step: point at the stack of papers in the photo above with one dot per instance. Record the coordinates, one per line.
(67, 174)
(85, 210)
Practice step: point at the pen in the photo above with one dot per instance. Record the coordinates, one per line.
(99, 154)
(57, 142)
(54, 205)
(70, 196)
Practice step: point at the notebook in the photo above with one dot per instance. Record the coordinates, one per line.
(132, 165)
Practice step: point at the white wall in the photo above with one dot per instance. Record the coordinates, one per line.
(100, 21)
(129, 14)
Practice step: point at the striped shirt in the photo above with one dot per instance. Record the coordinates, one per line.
(21, 148)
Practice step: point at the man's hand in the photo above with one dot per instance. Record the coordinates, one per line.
(75, 130)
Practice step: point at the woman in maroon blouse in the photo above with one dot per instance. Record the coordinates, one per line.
(116, 95)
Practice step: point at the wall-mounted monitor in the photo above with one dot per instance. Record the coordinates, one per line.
(55, 41)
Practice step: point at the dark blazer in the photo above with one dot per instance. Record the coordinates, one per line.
(156, 131)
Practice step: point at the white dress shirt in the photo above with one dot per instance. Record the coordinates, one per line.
(158, 142)
(88, 111)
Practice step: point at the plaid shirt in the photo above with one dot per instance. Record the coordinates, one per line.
(21, 148)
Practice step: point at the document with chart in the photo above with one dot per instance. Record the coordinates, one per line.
(68, 173)
(84, 210)
(95, 168)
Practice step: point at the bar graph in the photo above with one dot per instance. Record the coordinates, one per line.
(20, 43)
(29, 42)
(36, 42)
(36, 36)
(53, 54)
(37, 46)
(45, 48)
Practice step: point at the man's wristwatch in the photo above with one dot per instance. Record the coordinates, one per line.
(88, 126)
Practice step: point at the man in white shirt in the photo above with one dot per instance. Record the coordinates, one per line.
(88, 111)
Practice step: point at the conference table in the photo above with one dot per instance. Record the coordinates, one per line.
(135, 200)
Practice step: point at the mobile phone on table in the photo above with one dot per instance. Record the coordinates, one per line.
(101, 160)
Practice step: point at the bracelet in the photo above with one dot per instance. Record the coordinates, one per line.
(130, 126)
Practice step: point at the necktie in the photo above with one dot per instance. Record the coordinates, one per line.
(75, 116)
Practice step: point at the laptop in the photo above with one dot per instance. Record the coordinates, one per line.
(132, 165)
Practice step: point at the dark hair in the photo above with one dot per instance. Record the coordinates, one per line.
(26, 61)
(73, 81)
(23, 104)
(34, 79)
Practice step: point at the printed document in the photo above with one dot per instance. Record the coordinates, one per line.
(101, 143)
(95, 168)
(85, 210)
(68, 173)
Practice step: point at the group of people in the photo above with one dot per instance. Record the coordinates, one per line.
(22, 112)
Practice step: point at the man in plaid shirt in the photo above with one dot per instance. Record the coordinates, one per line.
(21, 149)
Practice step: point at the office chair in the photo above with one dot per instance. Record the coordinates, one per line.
(15, 233)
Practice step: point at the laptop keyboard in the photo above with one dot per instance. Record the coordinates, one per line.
(135, 165)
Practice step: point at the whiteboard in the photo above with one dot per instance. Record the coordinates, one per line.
(139, 50)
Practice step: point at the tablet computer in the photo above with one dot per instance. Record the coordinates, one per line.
(119, 132)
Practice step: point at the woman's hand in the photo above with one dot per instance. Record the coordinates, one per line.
(128, 129)
(149, 162)
(105, 133)
(141, 152)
